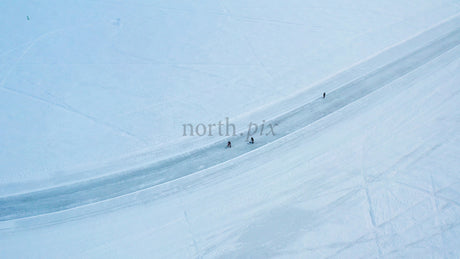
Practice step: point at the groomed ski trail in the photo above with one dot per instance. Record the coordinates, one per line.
(111, 186)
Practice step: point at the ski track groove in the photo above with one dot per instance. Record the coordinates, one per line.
(70, 109)
(99, 189)
(26, 50)
(65, 107)
(435, 205)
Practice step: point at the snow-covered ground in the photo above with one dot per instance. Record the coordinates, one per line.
(94, 94)
(86, 84)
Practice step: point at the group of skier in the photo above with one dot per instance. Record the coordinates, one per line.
(229, 144)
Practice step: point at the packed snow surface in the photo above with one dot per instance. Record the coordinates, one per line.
(94, 95)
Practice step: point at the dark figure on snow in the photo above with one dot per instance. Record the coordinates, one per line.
(229, 144)
(324, 95)
(252, 141)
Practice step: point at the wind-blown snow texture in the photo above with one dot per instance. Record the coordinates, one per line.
(94, 95)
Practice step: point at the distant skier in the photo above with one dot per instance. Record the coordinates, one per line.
(252, 141)
(229, 144)
(324, 95)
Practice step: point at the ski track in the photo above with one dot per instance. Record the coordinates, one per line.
(103, 188)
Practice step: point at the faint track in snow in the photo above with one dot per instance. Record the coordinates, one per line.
(70, 109)
(28, 46)
(115, 185)
(26, 50)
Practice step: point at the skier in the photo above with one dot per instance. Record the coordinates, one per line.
(324, 95)
(252, 141)
(229, 144)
